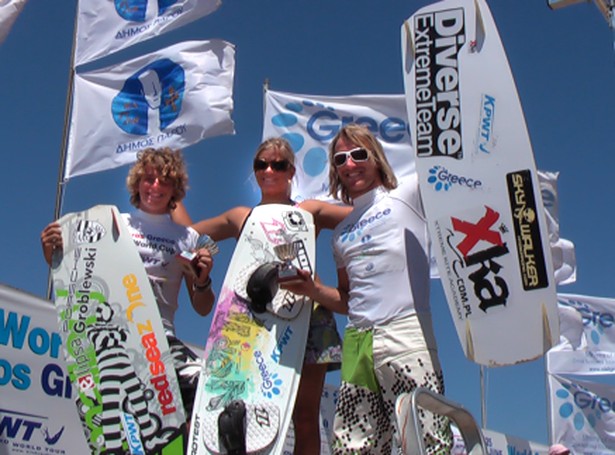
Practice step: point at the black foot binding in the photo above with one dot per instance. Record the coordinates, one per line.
(232, 428)
(262, 286)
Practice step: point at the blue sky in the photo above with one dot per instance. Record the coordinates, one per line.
(562, 62)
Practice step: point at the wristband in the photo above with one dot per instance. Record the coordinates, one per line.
(202, 287)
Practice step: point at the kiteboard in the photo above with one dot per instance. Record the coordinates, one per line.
(256, 343)
(117, 355)
(479, 183)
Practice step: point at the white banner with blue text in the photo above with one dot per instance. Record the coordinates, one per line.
(9, 11)
(105, 27)
(38, 414)
(587, 337)
(310, 122)
(174, 97)
(582, 415)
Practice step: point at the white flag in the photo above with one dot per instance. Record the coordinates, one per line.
(562, 250)
(105, 26)
(587, 336)
(582, 415)
(310, 122)
(9, 10)
(174, 97)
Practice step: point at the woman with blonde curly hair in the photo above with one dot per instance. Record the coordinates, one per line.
(156, 183)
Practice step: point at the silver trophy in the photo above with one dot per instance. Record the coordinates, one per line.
(287, 252)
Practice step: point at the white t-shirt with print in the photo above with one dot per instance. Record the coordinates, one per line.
(384, 246)
(158, 240)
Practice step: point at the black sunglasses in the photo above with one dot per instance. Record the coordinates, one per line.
(277, 166)
(358, 155)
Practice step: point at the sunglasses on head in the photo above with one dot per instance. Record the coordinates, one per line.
(358, 155)
(277, 166)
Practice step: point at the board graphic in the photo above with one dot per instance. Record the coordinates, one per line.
(116, 351)
(479, 183)
(253, 356)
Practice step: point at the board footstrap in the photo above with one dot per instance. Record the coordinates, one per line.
(252, 428)
(284, 304)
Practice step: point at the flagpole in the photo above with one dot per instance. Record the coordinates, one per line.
(483, 401)
(61, 168)
(265, 89)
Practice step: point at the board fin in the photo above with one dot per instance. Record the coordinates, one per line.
(469, 342)
(115, 226)
(547, 338)
(232, 428)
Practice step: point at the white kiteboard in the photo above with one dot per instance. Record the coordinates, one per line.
(479, 184)
(255, 348)
(116, 351)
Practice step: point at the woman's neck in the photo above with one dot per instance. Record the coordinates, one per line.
(276, 200)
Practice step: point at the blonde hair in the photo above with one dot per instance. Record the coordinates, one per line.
(277, 143)
(360, 136)
(170, 166)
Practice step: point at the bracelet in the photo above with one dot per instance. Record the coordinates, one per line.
(202, 287)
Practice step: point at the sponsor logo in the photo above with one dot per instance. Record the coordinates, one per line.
(486, 140)
(478, 252)
(442, 179)
(271, 383)
(138, 11)
(309, 127)
(582, 406)
(354, 231)
(527, 231)
(597, 322)
(149, 102)
(25, 429)
(438, 37)
(87, 231)
(294, 221)
(133, 431)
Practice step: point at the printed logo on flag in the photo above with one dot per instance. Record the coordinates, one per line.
(313, 125)
(137, 10)
(598, 322)
(151, 99)
(582, 406)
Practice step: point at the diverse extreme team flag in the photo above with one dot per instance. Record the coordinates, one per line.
(174, 97)
(105, 27)
(9, 10)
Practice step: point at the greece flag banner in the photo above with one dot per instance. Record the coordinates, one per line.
(310, 122)
(105, 27)
(582, 415)
(587, 336)
(174, 97)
